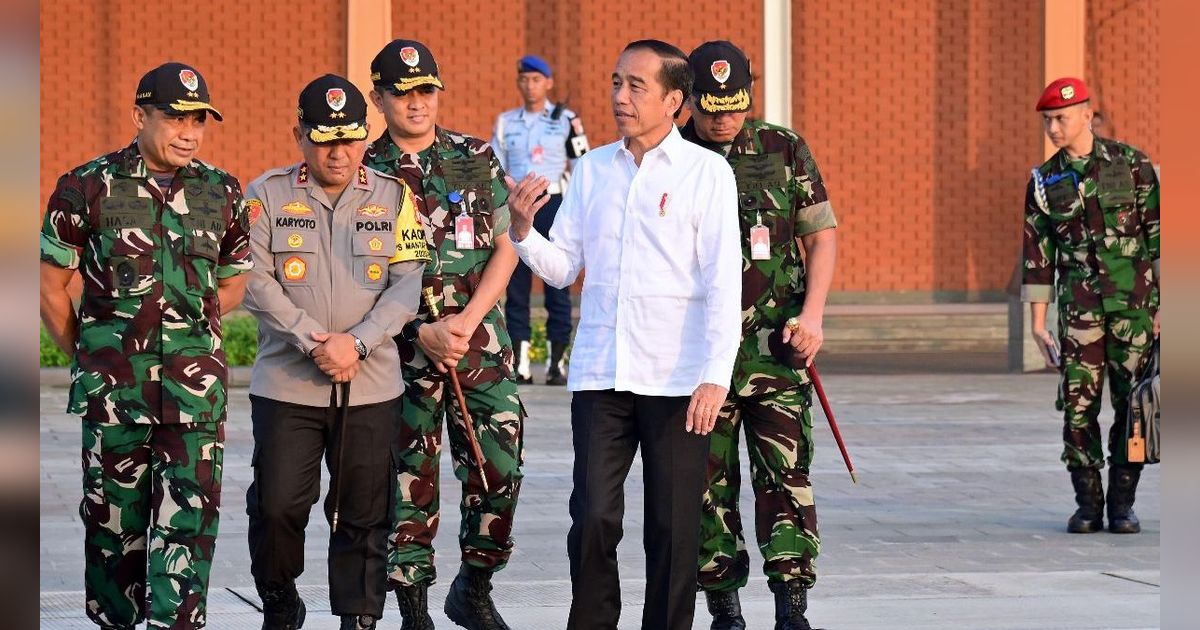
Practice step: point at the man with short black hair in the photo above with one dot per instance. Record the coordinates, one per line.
(648, 217)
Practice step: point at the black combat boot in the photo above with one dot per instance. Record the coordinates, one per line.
(469, 603)
(414, 607)
(791, 600)
(726, 610)
(282, 607)
(1089, 496)
(358, 622)
(554, 367)
(1122, 485)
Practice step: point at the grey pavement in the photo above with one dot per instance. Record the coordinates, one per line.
(958, 520)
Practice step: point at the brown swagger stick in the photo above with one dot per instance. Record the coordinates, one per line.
(435, 315)
(837, 435)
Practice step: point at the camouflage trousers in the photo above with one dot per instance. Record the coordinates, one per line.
(1094, 343)
(487, 516)
(778, 430)
(151, 495)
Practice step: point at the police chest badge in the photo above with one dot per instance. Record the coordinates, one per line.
(720, 71)
(374, 271)
(335, 98)
(294, 269)
(189, 80)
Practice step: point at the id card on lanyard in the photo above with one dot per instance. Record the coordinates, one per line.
(464, 225)
(760, 241)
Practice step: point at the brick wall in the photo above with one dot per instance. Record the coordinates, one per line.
(919, 112)
(1122, 69)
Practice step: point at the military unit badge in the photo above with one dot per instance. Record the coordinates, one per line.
(720, 70)
(410, 56)
(335, 98)
(1067, 92)
(189, 80)
(254, 208)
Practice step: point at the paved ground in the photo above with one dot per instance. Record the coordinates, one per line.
(958, 521)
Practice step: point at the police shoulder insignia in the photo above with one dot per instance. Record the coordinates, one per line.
(410, 234)
(254, 209)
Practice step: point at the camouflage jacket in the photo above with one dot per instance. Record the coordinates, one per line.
(149, 349)
(466, 165)
(780, 188)
(1095, 223)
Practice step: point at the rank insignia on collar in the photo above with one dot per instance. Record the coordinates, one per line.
(362, 176)
(302, 174)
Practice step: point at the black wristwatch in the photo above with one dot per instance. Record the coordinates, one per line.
(411, 329)
(361, 348)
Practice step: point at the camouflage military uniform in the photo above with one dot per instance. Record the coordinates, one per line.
(778, 187)
(455, 163)
(148, 376)
(1096, 225)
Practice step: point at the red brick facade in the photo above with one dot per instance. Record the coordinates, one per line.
(919, 111)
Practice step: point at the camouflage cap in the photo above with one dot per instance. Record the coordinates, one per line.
(175, 87)
(405, 64)
(722, 78)
(331, 109)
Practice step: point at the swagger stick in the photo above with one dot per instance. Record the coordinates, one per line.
(431, 303)
(343, 416)
(837, 435)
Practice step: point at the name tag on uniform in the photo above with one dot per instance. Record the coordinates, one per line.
(764, 170)
(464, 232)
(760, 243)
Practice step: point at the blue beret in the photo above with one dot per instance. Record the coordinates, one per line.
(531, 63)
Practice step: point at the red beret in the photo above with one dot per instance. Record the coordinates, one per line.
(1063, 92)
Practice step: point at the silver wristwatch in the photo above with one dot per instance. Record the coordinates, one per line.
(361, 348)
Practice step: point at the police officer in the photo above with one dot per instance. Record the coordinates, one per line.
(340, 253)
(160, 240)
(458, 184)
(544, 138)
(1092, 244)
(788, 253)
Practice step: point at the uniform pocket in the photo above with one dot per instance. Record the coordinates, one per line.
(295, 255)
(130, 263)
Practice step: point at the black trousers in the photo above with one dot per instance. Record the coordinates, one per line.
(289, 442)
(558, 301)
(608, 427)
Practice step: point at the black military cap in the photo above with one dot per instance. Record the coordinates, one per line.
(403, 65)
(332, 109)
(175, 87)
(722, 78)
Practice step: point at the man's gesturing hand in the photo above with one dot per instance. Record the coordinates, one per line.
(702, 410)
(525, 198)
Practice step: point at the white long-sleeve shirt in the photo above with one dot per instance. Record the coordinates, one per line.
(661, 307)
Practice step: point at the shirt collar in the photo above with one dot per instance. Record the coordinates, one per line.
(547, 107)
(363, 180)
(672, 147)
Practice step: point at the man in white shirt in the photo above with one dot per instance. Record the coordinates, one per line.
(648, 218)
